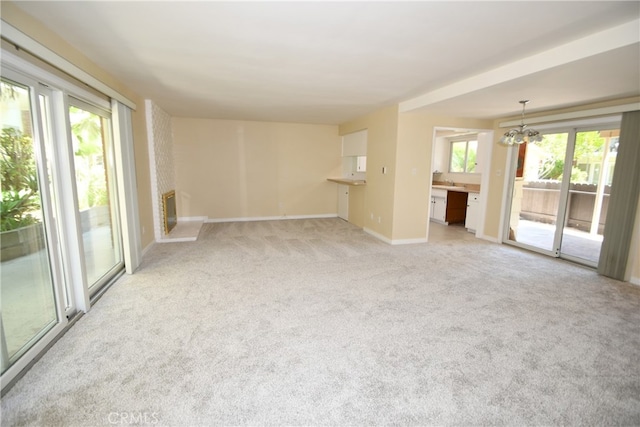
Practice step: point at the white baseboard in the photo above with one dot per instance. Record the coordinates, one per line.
(270, 218)
(488, 238)
(192, 218)
(396, 241)
(145, 250)
(408, 241)
(377, 235)
(635, 281)
(177, 240)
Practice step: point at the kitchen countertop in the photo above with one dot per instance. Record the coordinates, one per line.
(347, 181)
(457, 188)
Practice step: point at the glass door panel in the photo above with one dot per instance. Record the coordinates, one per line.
(27, 295)
(536, 192)
(594, 159)
(97, 202)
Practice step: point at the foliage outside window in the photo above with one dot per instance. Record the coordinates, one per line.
(19, 183)
(86, 134)
(463, 156)
(589, 150)
(19, 200)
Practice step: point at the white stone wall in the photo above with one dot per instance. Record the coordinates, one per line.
(161, 160)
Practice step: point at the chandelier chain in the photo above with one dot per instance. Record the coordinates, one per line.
(519, 135)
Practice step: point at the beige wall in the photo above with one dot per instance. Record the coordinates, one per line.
(244, 169)
(382, 126)
(403, 143)
(415, 148)
(413, 181)
(36, 30)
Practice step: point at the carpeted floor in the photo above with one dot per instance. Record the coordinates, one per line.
(313, 322)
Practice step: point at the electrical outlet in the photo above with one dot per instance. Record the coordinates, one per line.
(379, 219)
(384, 169)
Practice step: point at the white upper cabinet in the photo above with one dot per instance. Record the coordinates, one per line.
(354, 144)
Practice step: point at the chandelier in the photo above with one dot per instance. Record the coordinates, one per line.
(521, 134)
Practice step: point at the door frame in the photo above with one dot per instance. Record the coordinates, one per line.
(14, 64)
(571, 128)
(486, 138)
(23, 358)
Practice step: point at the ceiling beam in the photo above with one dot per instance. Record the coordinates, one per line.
(592, 112)
(594, 44)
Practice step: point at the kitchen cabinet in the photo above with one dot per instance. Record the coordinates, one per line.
(456, 207)
(448, 207)
(439, 206)
(473, 207)
(438, 209)
(343, 202)
(354, 144)
(361, 164)
(351, 194)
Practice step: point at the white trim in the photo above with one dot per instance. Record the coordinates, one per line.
(507, 193)
(379, 236)
(488, 238)
(48, 206)
(635, 281)
(396, 241)
(269, 218)
(127, 186)
(604, 41)
(153, 171)
(192, 218)
(68, 201)
(147, 249)
(176, 239)
(13, 61)
(27, 358)
(25, 42)
(593, 112)
(408, 241)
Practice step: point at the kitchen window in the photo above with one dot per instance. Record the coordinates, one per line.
(463, 155)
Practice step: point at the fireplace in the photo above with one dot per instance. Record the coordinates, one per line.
(169, 209)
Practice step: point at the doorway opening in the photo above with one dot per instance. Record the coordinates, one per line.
(459, 170)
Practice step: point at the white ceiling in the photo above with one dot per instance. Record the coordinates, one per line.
(328, 62)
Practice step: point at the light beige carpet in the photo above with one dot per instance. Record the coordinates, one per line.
(313, 322)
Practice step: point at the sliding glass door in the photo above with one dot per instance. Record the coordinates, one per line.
(536, 192)
(61, 240)
(95, 191)
(28, 295)
(592, 164)
(559, 193)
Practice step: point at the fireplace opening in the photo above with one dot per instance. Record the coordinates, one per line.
(169, 209)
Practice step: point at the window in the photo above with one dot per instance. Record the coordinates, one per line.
(463, 156)
(58, 154)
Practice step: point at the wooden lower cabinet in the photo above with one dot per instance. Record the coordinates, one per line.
(456, 207)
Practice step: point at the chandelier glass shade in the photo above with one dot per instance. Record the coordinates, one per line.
(521, 134)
